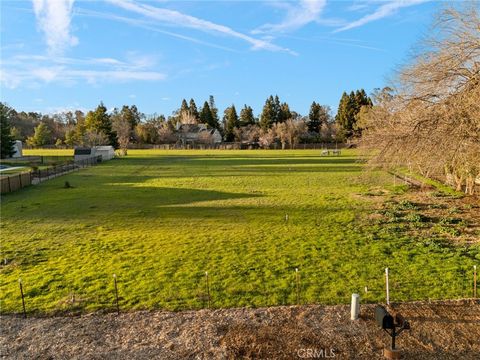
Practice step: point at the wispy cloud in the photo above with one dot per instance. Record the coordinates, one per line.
(149, 25)
(53, 19)
(381, 12)
(187, 21)
(33, 70)
(297, 16)
(340, 41)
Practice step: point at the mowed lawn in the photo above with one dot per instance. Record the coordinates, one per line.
(160, 219)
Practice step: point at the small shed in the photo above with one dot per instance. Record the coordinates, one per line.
(18, 148)
(107, 152)
(82, 153)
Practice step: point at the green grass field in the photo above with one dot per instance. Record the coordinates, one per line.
(160, 219)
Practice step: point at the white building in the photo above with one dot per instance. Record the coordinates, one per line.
(80, 153)
(107, 152)
(18, 148)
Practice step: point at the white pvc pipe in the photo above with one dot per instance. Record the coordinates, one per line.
(388, 290)
(355, 307)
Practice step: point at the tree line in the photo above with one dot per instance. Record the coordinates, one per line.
(127, 125)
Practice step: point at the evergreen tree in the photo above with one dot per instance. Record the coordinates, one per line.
(184, 108)
(129, 114)
(314, 122)
(193, 110)
(350, 105)
(318, 116)
(206, 116)
(267, 118)
(6, 140)
(99, 121)
(41, 136)
(70, 138)
(285, 113)
(277, 110)
(246, 116)
(214, 110)
(230, 119)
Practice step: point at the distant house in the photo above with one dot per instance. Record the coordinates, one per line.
(198, 134)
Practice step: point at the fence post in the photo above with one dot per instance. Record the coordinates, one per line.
(116, 293)
(23, 299)
(208, 288)
(9, 186)
(387, 288)
(474, 281)
(297, 276)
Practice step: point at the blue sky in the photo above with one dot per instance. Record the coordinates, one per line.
(68, 54)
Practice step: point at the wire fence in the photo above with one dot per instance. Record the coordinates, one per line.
(14, 182)
(51, 172)
(238, 146)
(209, 290)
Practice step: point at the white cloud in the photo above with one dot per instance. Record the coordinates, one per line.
(306, 12)
(37, 69)
(53, 19)
(46, 74)
(383, 11)
(148, 25)
(187, 21)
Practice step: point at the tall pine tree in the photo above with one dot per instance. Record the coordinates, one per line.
(99, 120)
(314, 122)
(268, 116)
(184, 107)
(214, 110)
(230, 119)
(193, 109)
(206, 116)
(285, 113)
(6, 138)
(319, 115)
(348, 109)
(246, 116)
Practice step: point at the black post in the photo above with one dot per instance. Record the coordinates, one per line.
(393, 338)
(23, 299)
(116, 292)
(208, 288)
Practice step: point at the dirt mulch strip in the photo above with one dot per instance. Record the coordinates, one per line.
(439, 330)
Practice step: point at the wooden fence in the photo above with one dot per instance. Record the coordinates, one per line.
(15, 182)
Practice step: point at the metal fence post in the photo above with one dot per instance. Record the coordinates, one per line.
(208, 288)
(23, 299)
(116, 292)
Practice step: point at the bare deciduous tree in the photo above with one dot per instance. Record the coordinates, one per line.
(429, 120)
(166, 134)
(122, 127)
